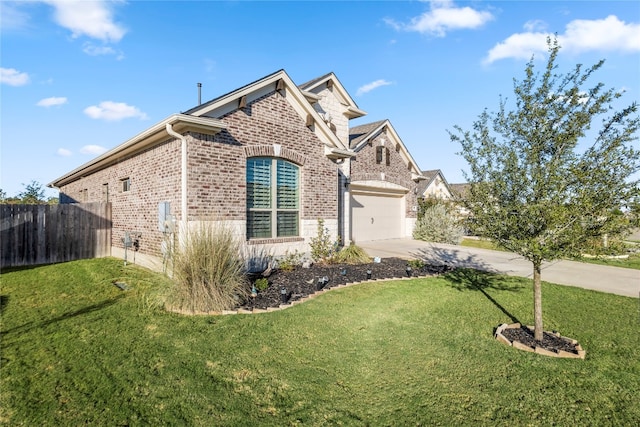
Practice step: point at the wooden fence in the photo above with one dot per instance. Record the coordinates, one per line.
(44, 234)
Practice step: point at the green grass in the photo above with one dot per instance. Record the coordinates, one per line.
(632, 262)
(480, 243)
(77, 350)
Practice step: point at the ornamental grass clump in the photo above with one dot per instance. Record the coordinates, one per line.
(352, 254)
(208, 270)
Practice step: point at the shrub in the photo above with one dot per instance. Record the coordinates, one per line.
(289, 261)
(208, 270)
(416, 264)
(438, 224)
(352, 254)
(261, 284)
(322, 248)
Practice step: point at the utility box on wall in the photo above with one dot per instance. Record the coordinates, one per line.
(165, 220)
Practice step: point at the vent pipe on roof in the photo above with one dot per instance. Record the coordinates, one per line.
(199, 93)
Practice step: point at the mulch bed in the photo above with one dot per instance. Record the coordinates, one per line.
(302, 282)
(550, 341)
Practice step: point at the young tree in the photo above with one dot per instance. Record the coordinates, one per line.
(533, 190)
(33, 193)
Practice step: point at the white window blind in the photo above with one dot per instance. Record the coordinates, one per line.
(271, 179)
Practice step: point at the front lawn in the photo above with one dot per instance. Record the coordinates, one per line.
(77, 350)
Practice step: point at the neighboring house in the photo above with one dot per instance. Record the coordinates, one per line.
(434, 185)
(459, 191)
(270, 159)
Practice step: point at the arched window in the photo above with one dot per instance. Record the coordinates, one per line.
(273, 198)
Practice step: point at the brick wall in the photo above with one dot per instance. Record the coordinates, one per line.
(219, 166)
(216, 175)
(365, 167)
(154, 176)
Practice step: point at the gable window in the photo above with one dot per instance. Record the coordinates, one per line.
(273, 193)
(126, 184)
(388, 153)
(379, 150)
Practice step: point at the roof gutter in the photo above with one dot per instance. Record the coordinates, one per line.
(151, 135)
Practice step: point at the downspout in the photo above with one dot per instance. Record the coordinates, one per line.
(183, 179)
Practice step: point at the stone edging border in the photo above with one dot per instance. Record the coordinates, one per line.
(292, 303)
(539, 350)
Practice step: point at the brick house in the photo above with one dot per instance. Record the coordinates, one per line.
(434, 185)
(269, 159)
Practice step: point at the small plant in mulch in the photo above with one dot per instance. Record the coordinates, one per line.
(290, 261)
(416, 264)
(323, 248)
(261, 284)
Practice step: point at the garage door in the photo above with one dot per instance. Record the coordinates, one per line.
(376, 217)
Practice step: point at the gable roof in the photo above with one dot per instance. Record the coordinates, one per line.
(359, 137)
(281, 82)
(358, 134)
(330, 80)
(431, 176)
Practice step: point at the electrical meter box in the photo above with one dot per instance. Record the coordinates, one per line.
(165, 220)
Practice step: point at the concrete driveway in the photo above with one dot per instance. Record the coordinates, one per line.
(615, 280)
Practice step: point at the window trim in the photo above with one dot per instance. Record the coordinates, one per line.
(379, 150)
(125, 185)
(273, 209)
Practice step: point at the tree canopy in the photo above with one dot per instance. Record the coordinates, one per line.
(542, 181)
(33, 194)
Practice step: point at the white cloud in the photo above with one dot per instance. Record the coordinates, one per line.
(53, 101)
(113, 111)
(93, 150)
(371, 86)
(519, 46)
(64, 152)
(609, 34)
(13, 77)
(444, 16)
(11, 18)
(90, 18)
(535, 25)
(606, 35)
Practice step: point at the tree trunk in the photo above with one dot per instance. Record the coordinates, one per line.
(537, 302)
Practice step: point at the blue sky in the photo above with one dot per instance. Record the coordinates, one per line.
(80, 77)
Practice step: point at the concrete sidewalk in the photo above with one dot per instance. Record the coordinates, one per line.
(615, 280)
